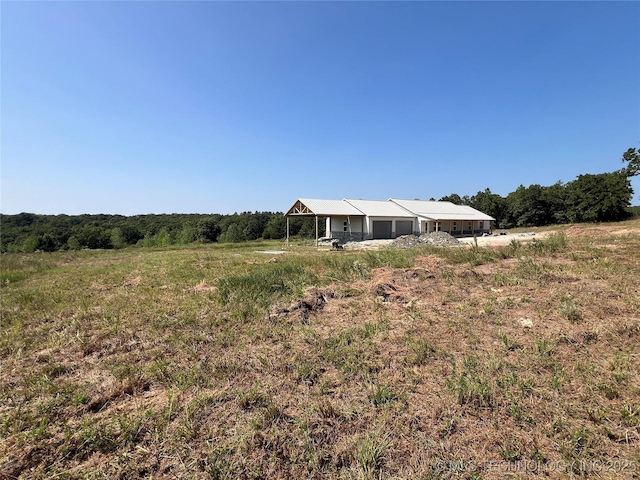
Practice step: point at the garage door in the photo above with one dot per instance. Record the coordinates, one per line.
(404, 228)
(382, 229)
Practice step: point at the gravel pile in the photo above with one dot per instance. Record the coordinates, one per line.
(438, 238)
(433, 238)
(405, 242)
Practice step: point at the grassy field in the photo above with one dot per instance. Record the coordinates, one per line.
(214, 361)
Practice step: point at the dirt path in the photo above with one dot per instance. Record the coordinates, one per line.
(626, 228)
(504, 239)
(482, 241)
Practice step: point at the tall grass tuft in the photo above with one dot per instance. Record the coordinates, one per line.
(554, 243)
(390, 257)
(474, 255)
(472, 387)
(369, 453)
(358, 266)
(569, 310)
(256, 290)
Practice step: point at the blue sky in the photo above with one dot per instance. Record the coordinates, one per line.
(217, 107)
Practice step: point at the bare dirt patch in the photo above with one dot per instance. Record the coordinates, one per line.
(497, 240)
(313, 302)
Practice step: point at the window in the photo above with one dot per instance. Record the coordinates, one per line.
(481, 226)
(344, 227)
(455, 226)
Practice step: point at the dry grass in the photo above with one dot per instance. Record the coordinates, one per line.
(214, 362)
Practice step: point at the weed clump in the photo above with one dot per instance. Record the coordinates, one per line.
(472, 387)
(256, 290)
(570, 310)
(554, 243)
(369, 453)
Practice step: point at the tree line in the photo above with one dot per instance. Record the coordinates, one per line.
(604, 197)
(589, 198)
(29, 232)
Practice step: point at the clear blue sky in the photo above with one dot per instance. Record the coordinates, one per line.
(216, 107)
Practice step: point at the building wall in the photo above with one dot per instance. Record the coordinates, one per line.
(370, 220)
(358, 228)
(482, 226)
(347, 229)
(460, 227)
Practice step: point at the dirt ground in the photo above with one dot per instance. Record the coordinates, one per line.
(493, 240)
(520, 366)
(505, 239)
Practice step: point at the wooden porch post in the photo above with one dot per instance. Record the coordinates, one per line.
(317, 246)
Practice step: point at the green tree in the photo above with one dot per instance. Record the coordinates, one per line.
(490, 203)
(46, 243)
(555, 200)
(23, 219)
(93, 236)
(163, 237)
(233, 234)
(73, 243)
(147, 241)
(276, 228)
(130, 234)
(207, 230)
(117, 238)
(526, 207)
(308, 227)
(253, 228)
(453, 198)
(186, 235)
(632, 158)
(30, 244)
(599, 198)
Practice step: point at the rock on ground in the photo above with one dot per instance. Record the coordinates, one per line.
(438, 238)
(433, 238)
(405, 242)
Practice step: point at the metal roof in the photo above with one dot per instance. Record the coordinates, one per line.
(312, 207)
(441, 210)
(477, 213)
(379, 208)
(394, 207)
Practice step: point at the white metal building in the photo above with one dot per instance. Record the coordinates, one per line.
(447, 217)
(357, 219)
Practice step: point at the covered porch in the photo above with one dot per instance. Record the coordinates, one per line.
(340, 220)
(456, 227)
